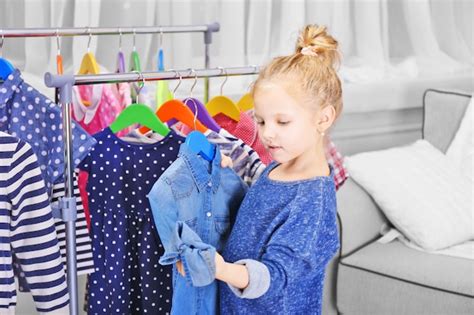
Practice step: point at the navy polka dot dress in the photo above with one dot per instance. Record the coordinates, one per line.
(126, 246)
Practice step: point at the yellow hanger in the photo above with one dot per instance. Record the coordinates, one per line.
(245, 103)
(89, 63)
(223, 104)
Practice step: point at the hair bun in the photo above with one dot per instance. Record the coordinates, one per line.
(314, 40)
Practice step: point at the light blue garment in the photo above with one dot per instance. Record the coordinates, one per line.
(197, 257)
(206, 197)
(29, 115)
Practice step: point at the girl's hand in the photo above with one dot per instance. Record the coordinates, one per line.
(179, 266)
(220, 265)
(226, 161)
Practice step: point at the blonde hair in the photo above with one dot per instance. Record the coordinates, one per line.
(313, 65)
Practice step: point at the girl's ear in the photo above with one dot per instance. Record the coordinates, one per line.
(326, 118)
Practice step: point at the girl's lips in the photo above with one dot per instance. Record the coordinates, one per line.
(273, 148)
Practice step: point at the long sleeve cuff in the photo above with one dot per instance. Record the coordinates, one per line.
(259, 280)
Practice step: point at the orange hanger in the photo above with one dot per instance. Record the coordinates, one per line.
(175, 109)
(59, 58)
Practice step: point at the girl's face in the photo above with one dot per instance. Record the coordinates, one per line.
(287, 128)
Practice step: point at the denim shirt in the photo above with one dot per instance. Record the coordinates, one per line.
(206, 197)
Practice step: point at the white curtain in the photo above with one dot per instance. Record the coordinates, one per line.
(379, 39)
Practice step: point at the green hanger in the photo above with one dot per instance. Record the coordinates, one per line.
(139, 114)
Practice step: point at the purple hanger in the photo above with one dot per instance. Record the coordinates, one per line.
(120, 62)
(203, 115)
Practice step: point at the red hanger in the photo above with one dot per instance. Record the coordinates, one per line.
(175, 109)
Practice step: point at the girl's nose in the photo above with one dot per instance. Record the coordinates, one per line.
(267, 133)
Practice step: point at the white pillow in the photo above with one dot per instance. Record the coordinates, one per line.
(420, 191)
(461, 149)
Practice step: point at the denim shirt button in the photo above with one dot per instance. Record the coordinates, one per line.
(208, 214)
(209, 184)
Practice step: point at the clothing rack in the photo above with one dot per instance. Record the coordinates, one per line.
(65, 83)
(68, 203)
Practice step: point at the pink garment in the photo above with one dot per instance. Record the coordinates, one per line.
(246, 130)
(106, 102)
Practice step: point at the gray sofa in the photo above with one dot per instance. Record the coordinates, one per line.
(372, 278)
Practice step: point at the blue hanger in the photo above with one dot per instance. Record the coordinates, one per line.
(199, 144)
(6, 69)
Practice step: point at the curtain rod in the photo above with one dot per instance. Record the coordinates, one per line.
(53, 80)
(87, 31)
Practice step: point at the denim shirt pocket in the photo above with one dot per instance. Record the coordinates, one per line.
(182, 185)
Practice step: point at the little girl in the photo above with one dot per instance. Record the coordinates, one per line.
(285, 232)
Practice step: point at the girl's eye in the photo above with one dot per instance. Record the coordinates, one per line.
(283, 122)
(260, 122)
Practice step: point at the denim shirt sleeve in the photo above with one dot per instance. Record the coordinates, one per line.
(163, 210)
(198, 258)
(302, 245)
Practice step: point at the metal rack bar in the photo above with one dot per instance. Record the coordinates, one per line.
(87, 31)
(53, 80)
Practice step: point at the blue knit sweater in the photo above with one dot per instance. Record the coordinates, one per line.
(285, 233)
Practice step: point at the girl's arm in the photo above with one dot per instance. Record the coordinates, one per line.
(233, 274)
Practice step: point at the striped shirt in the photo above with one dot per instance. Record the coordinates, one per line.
(27, 228)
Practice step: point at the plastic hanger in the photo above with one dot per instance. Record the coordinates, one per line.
(139, 114)
(89, 63)
(200, 110)
(163, 92)
(6, 68)
(120, 56)
(59, 58)
(199, 144)
(177, 111)
(223, 104)
(203, 116)
(134, 57)
(246, 101)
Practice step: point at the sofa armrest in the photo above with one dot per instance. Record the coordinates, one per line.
(360, 219)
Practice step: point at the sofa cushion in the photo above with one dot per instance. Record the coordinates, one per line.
(420, 192)
(442, 113)
(397, 261)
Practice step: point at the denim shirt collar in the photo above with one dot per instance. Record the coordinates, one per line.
(199, 171)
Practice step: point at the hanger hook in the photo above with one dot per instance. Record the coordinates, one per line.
(180, 80)
(226, 77)
(142, 77)
(1, 44)
(90, 39)
(195, 81)
(161, 37)
(120, 38)
(58, 45)
(134, 35)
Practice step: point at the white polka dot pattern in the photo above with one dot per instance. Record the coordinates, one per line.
(125, 244)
